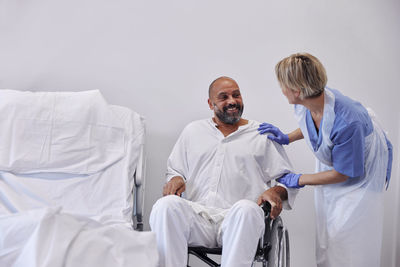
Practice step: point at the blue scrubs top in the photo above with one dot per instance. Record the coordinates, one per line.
(352, 124)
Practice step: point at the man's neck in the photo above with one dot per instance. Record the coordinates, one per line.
(227, 129)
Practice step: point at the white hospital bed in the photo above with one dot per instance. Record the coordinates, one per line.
(71, 182)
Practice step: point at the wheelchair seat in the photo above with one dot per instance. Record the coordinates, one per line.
(272, 250)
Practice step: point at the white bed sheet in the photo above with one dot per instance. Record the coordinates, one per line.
(69, 132)
(105, 195)
(51, 238)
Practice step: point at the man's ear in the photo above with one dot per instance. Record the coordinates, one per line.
(210, 104)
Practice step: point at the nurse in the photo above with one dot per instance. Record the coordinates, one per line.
(353, 163)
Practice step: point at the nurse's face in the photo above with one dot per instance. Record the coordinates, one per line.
(226, 101)
(293, 96)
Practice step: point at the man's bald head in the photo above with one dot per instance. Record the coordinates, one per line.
(217, 82)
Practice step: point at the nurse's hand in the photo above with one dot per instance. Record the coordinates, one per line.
(175, 186)
(276, 136)
(291, 180)
(275, 197)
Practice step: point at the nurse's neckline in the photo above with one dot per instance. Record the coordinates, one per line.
(315, 105)
(316, 109)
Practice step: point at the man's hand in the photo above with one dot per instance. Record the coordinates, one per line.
(275, 197)
(175, 186)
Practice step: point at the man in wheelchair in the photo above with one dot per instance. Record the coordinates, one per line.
(224, 169)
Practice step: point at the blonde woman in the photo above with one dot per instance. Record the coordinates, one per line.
(353, 163)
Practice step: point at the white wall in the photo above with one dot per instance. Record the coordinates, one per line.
(158, 57)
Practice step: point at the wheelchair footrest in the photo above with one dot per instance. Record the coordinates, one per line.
(216, 251)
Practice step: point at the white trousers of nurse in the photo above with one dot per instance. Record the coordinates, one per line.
(178, 226)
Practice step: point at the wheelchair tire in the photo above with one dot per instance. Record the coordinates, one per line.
(286, 248)
(278, 255)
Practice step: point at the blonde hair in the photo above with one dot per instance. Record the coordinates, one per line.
(303, 72)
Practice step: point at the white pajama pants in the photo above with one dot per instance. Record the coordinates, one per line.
(178, 226)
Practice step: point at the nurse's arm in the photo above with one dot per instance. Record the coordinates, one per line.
(320, 178)
(295, 135)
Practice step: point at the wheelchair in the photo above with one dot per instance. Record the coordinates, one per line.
(272, 250)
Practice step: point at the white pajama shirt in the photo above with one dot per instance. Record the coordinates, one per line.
(220, 171)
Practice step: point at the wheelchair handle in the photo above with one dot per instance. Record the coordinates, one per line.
(266, 206)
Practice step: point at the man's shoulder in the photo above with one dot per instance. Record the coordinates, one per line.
(253, 123)
(251, 126)
(260, 139)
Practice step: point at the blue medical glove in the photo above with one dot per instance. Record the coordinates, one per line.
(276, 136)
(291, 180)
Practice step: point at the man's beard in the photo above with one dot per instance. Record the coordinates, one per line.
(226, 117)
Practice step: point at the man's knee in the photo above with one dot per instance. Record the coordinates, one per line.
(167, 203)
(165, 207)
(245, 219)
(248, 210)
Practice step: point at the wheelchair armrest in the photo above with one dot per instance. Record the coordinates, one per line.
(139, 180)
(266, 206)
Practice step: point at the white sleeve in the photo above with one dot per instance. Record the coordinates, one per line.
(177, 161)
(277, 164)
(292, 193)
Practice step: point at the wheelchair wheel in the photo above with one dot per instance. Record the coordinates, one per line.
(278, 255)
